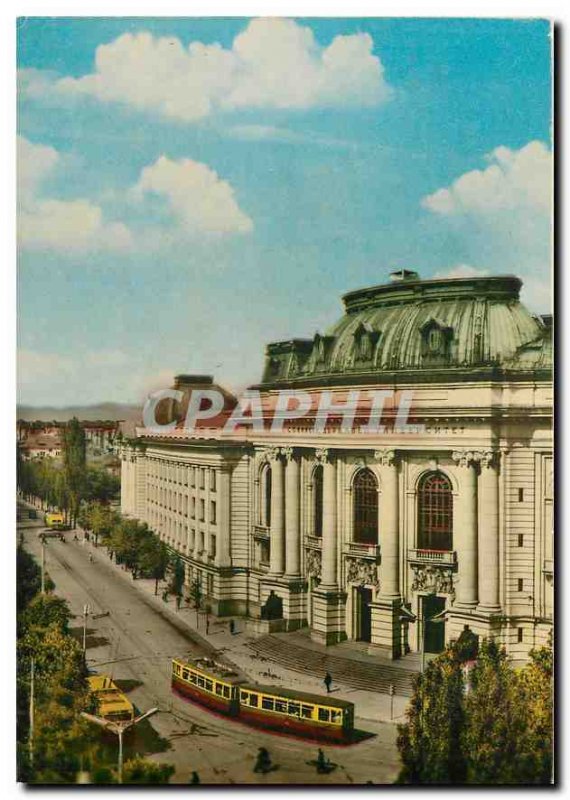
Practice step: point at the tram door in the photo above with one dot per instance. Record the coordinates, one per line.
(363, 598)
(434, 631)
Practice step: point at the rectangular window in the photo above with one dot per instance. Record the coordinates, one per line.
(253, 700)
(202, 478)
(193, 678)
(219, 688)
(521, 495)
(336, 717)
(281, 706)
(267, 703)
(202, 511)
(213, 512)
(213, 480)
(177, 669)
(192, 476)
(324, 715)
(307, 712)
(201, 681)
(520, 584)
(208, 684)
(294, 708)
(520, 540)
(193, 508)
(185, 674)
(227, 691)
(519, 634)
(213, 546)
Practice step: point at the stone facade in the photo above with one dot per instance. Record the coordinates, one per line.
(487, 437)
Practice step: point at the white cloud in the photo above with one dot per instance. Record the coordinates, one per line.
(514, 181)
(63, 225)
(200, 200)
(273, 63)
(462, 271)
(503, 216)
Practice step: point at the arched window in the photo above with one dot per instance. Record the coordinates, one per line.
(435, 512)
(365, 508)
(265, 498)
(318, 501)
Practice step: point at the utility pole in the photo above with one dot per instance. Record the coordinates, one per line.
(118, 728)
(31, 734)
(86, 612)
(392, 693)
(43, 586)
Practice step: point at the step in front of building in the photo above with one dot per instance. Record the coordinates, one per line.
(357, 674)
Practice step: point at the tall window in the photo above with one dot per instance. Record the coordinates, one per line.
(318, 500)
(265, 497)
(435, 513)
(365, 508)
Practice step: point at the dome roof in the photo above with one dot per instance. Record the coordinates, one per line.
(417, 330)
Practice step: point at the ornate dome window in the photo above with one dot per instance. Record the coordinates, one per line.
(365, 341)
(436, 342)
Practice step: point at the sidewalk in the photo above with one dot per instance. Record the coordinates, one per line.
(370, 706)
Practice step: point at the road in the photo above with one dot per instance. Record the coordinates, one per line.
(135, 642)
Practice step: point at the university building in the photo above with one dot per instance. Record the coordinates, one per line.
(384, 537)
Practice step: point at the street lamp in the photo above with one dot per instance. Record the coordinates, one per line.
(118, 728)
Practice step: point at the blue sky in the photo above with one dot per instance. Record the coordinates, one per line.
(191, 189)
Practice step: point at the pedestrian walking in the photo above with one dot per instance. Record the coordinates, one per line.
(90, 558)
(263, 761)
(207, 624)
(232, 627)
(328, 681)
(194, 778)
(321, 761)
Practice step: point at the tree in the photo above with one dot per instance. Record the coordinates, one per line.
(139, 770)
(74, 458)
(498, 732)
(44, 611)
(154, 559)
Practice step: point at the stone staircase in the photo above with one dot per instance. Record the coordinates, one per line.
(369, 674)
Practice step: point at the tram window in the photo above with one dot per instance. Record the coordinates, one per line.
(307, 711)
(209, 686)
(323, 715)
(253, 700)
(244, 697)
(219, 688)
(193, 678)
(267, 703)
(227, 691)
(294, 708)
(201, 682)
(281, 705)
(177, 669)
(185, 674)
(336, 717)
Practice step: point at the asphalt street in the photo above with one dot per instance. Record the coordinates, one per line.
(134, 640)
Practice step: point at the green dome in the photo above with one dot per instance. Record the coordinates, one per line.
(419, 330)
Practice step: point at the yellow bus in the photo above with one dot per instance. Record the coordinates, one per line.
(112, 704)
(54, 518)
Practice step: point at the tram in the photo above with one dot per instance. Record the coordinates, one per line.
(112, 704)
(225, 689)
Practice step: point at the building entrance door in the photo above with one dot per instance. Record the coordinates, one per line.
(363, 598)
(434, 633)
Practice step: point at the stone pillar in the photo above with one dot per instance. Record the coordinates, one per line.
(277, 531)
(329, 602)
(329, 565)
(388, 525)
(292, 519)
(386, 623)
(489, 533)
(223, 539)
(465, 529)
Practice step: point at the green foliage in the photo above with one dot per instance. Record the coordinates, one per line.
(28, 579)
(44, 611)
(138, 770)
(499, 731)
(178, 577)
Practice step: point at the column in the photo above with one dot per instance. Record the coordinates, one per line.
(223, 507)
(277, 531)
(292, 521)
(465, 529)
(388, 525)
(329, 555)
(489, 533)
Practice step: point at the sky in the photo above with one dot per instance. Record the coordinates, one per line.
(190, 190)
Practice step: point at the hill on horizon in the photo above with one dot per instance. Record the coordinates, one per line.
(98, 411)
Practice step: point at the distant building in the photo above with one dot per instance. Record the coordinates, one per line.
(360, 535)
